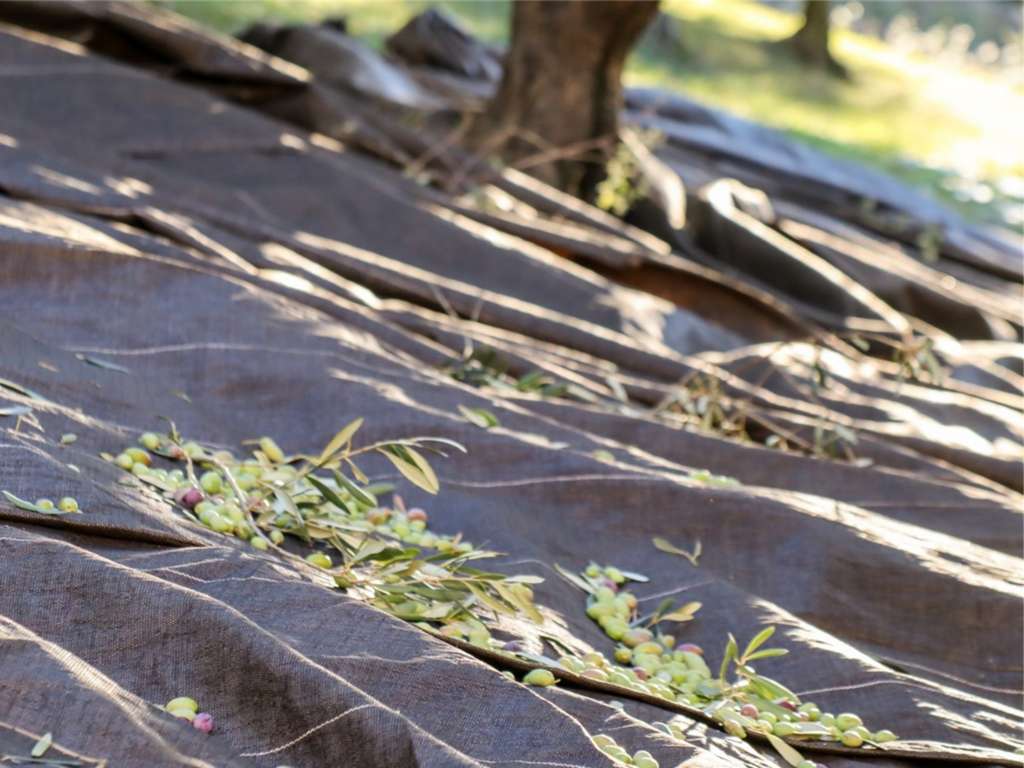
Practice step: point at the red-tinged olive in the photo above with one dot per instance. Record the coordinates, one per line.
(203, 722)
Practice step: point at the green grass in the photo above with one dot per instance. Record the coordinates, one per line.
(912, 118)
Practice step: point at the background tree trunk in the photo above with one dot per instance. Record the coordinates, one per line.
(811, 41)
(557, 108)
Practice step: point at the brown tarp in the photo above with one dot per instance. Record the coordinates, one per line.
(152, 217)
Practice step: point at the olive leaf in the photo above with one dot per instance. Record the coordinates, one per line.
(362, 495)
(480, 417)
(757, 641)
(42, 745)
(666, 546)
(413, 467)
(18, 388)
(28, 506)
(685, 613)
(327, 493)
(105, 364)
(785, 751)
(767, 653)
(772, 690)
(15, 410)
(575, 580)
(340, 440)
(731, 649)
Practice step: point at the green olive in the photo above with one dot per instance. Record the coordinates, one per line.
(541, 677)
(319, 559)
(124, 461)
(276, 536)
(211, 482)
(847, 721)
(44, 504)
(67, 504)
(783, 729)
(852, 739)
(182, 702)
(150, 440)
(883, 736)
(258, 543)
(139, 456)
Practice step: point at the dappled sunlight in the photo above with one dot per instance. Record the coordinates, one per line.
(58, 179)
(936, 552)
(37, 220)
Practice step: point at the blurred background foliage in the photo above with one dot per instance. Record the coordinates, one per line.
(936, 95)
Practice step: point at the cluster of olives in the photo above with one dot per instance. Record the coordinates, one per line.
(188, 709)
(651, 662)
(640, 759)
(66, 504)
(215, 503)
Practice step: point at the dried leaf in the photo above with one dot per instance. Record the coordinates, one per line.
(343, 438)
(15, 410)
(413, 467)
(685, 613)
(787, 752)
(573, 579)
(666, 546)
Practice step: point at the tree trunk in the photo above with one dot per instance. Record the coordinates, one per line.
(557, 108)
(811, 41)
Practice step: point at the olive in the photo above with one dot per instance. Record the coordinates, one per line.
(67, 504)
(203, 722)
(852, 739)
(847, 721)
(541, 677)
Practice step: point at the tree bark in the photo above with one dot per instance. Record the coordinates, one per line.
(811, 41)
(557, 107)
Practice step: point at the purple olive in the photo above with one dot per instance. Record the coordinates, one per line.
(203, 722)
(189, 497)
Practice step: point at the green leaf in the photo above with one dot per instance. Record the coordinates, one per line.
(685, 613)
(731, 649)
(634, 576)
(328, 494)
(105, 364)
(343, 438)
(480, 417)
(772, 690)
(787, 752)
(362, 495)
(767, 653)
(28, 506)
(758, 640)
